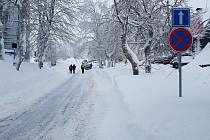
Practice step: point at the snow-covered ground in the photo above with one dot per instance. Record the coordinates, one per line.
(21, 89)
(104, 104)
(148, 106)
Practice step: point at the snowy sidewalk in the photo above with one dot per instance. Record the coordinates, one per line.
(154, 110)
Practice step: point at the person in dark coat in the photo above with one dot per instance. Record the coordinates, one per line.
(73, 68)
(40, 64)
(70, 68)
(83, 69)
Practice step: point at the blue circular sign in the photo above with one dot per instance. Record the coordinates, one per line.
(180, 39)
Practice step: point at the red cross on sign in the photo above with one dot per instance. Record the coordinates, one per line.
(180, 39)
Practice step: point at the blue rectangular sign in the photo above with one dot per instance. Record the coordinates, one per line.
(180, 17)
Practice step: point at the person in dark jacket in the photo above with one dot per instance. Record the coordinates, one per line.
(70, 68)
(40, 64)
(74, 68)
(83, 68)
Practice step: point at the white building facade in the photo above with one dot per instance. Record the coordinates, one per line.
(11, 26)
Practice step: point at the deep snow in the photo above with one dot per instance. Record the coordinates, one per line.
(105, 104)
(153, 109)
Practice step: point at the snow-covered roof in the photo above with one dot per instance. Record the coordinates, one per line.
(204, 56)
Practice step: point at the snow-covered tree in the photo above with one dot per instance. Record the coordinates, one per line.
(3, 5)
(205, 35)
(52, 23)
(146, 25)
(130, 28)
(99, 32)
(23, 6)
(123, 11)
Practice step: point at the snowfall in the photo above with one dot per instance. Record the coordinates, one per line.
(104, 104)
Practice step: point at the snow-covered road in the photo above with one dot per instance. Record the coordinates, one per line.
(61, 110)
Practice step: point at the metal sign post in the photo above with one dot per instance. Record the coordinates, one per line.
(180, 41)
(180, 73)
(180, 38)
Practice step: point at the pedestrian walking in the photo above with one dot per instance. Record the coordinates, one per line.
(83, 68)
(70, 68)
(40, 64)
(73, 68)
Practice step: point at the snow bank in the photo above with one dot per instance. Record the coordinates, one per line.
(154, 108)
(203, 57)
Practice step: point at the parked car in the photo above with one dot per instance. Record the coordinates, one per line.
(87, 64)
(204, 65)
(186, 58)
(163, 60)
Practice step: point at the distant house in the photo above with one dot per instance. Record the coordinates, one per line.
(10, 22)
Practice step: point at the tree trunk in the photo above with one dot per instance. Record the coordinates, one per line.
(1, 48)
(1, 42)
(129, 55)
(147, 60)
(44, 30)
(132, 58)
(21, 38)
(109, 63)
(20, 58)
(147, 52)
(27, 51)
(1, 32)
(20, 54)
(52, 55)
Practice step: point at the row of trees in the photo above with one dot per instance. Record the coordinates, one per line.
(131, 30)
(44, 26)
(128, 29)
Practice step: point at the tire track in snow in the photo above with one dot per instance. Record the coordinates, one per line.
(57, 108)
(7, 121)
(73, 120)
